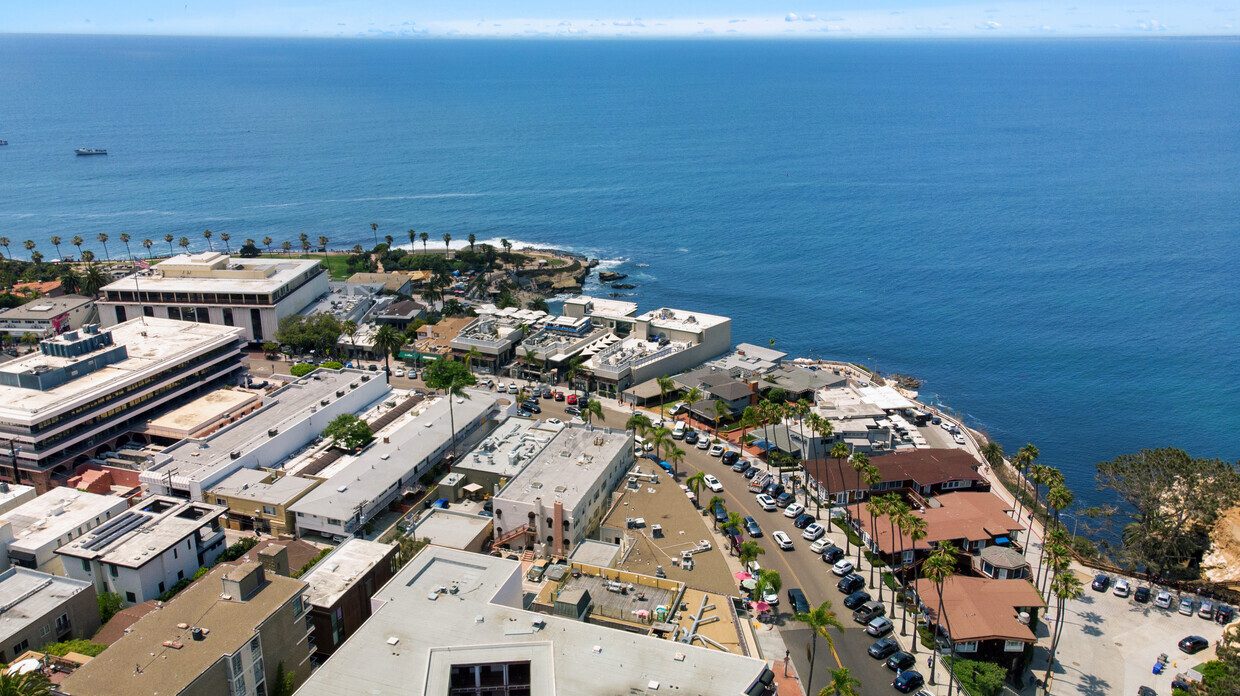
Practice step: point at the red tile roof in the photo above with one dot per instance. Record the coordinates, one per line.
(981, 608)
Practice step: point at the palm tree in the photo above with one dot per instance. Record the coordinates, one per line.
(940, 566)
(224, 237)
(70, 281)
(1056, 554)
(915, 528)
(473, 354)
(29, 338)
(472, 239)
(88, 256)
(1025, 458)
(388, 341)
(639, 423)
(32, 683)
(453, 389)
(871, 477)
(1058, 498)
(843, 683)
(574, 368)
(55, 241)
(593, 409)
(206, 234)
(446, 249)
(267, 244)
(1066, 586)
(666, 384)
(93, 280)
(305, 244)
(36, 257)
(992, 452)
(819, 619)
(183, 242)
(696, 482)
(4, 242)
(374, 232)
(349, 328)
(287, 246)
(424, 236)
(323, 243)
(721, 410)
(125, 239)
(413, 238)
(675, 456)
(148, 243)
(860, 462)
(660, 438)
(715, 500)
(29, 245)
(76, 241)
(896, 511)
(749, 550)
(167, 238)
(103, 239)
(840, 452)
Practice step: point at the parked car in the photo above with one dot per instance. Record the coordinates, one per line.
(869, 611)
(813, 532)
(782, 540)
(901, 661)
(766, 502)
(1206, 610)
(1178, 684)
(559, 396)
(820, 546)
(721, 513)
(1194, 644)
(803, 520)
(883, 648)
(703, 442)
(716, 450)
(1101, 582)
(399, 372)
(741, 466)
(774, 489)
(1224, 614)
(771, 598)
(713, 483)
(832, 553)
(751, 526)
(1142, 594)
(691, 437)
(1122, 588)
(513, 388)
(730, 457)
(850, 584)
(784, 499)
(842, 567)
(908, 681)
(796, 598)
(1186, 606)
(546, 393)
(572, 400)
(751, 472)
(878, 627)
(856, 599)
(572, 411)
(1162, 599)
(793, 510)
(532, 406)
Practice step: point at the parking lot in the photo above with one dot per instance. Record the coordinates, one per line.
(1110, 644)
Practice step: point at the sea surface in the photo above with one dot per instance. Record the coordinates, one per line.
(1045, 232)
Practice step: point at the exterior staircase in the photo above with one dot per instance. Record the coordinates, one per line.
(512, 534)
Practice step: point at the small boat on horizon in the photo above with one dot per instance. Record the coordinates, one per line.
(89, 151)
(3, 143)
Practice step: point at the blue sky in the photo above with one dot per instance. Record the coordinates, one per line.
(637, 19)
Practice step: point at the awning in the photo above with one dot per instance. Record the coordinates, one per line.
(415, 355)
(1002, 541)
(472, 488)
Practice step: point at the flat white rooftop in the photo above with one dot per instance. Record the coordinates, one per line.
(29, 595)
(339, 570)
(568, 466)
(451, 528)
(250, 484)
(153, 526)
(468, 612)
(215, 273)
(153, 345)
(605, 307)
(44, 308)
(682, 320)
(56, 513)
(205, 409)
(508, 448)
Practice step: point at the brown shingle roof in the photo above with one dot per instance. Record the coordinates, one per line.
(925, 466)
(980, 608)
(114, 629)
(970, 515)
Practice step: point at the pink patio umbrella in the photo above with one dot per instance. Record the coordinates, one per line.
(759, 606)
(742, 576)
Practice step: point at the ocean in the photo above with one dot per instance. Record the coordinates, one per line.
(1044, 232)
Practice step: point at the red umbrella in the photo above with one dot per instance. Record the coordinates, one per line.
(759, 606)
(742, 576)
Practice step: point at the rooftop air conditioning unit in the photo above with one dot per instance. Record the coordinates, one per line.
(235, 455)
(339, 393)
(272, 432)
(324, 402)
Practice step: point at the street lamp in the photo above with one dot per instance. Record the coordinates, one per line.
(1075, 520)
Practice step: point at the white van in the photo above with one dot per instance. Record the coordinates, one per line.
(678, 432)
(641, 443)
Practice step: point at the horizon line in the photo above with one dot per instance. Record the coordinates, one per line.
(837, 36)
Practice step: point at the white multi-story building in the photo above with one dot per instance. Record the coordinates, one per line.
(211, 288)
(148, 549)
(46, 316)
(31, 533)
(560, 497)
(84, 391)
(662, 342)
(290, 418)
(362, 486)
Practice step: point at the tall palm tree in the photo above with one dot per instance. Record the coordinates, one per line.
(675, 456)
(29, 245)
(183, 242)
(1055, 549)
(915, 529)
(471, 356)
(305, 244)
(76, 241)
(374, 232)
(454, 388)
(992, 452)
(840, 452)
(940, 566)
(749, 551)
(734, 522)
(639, 423)
(447, 237)
(819, 619)
(871, 477)
(4, 242)
(593, 409)
(413, 238)
(660, 438)
(715, 500)
(167, 238)
(425, 237)
(32, 683)
(859, 462)
(148, 243)
(125, 239)
(666, 384)
(206, 234)
(721, 410)
(224, 237)
(349, 328)
(1024, 458)
(842, 683)
(388, 341)
(388, 239)
(267, 244)
(287, 246)
(472, 239)
(55, 241)
(323, 243)
(574, 369)
(1066, 587)
(696, 482)
(877, 507)
(103, 239)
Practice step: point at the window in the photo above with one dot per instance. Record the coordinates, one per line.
(968, 646)
(112, 571)
(174, 552)
(86, 564)
(297, 606)
(255, 646)
(62, 622)
(267, 510)
(129, 597)
(238, 685)
(236, 664)
(221, 501)
(161, 588)
(1013, 646)
(47, 628)
(180, 575)
(258, 669)
(21, 647)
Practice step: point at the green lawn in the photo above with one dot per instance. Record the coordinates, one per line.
(337, 264)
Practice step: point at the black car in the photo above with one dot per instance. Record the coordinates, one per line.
(1142, 595)
(850, 584)
(1181, 685)
(797, 601)
(883, 648)
(856, 599)
(729, 457)
(1224, 614)
(901, 661)
(1101, 582)
(751, 526)
(831, 554)
(546, 394)
(573, 411)
(741, 467)
(523, 412)
(785, 499)
(531, 406)
(1194, 644)
(691, 438)
(774, 489)
(751, 472)
(721, 513)
(908, 682)
(803, 520)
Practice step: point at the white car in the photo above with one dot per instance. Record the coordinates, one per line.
(766, 502)
(819, 546)
(813, 532)
(713, 483)
(1163, 599)
(703, 442)
(501, 387)
(398, 372)
(959, 438)
(782, 540)
(793, 510)
(554, 421)
(716, 451)
(772, 599)
(842, 567)
(946, 426)
(1122, 588)
(513, 389)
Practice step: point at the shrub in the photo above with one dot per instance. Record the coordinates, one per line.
(306, 568)
(301, 370)
(978, 678)
(80, 646)
(348, 431)
(332, 365)
(109, 604)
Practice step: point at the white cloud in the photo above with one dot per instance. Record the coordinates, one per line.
(791, 17)
(990, 25)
